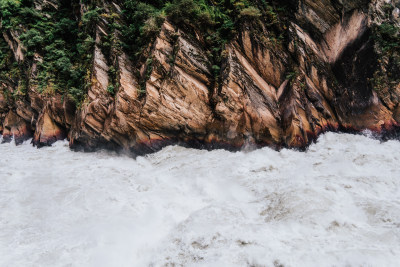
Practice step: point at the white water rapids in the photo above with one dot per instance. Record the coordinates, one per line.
(338, 204)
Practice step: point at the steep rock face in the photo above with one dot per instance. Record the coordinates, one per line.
(266, 93)
(91, 118)
(246, 103)
(346, 55)
(15, 127)
(47, 131)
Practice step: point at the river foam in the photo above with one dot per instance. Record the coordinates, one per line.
(337, 204)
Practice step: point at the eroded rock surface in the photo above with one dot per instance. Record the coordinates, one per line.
(15, 127)
(266, 94)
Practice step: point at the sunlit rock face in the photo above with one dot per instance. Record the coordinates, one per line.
(267, 94)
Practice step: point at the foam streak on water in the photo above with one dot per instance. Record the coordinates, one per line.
(337, 204)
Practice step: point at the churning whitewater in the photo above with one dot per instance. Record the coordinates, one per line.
(336, 204)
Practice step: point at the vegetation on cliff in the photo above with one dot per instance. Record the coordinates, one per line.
(387, 42)
(144, 73)
(216, 21)
(55, 41)
(59, 38)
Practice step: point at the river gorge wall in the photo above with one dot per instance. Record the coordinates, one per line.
(329, 72)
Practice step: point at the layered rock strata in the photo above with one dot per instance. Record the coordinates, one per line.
(267, 93)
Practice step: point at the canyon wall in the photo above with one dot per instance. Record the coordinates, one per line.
(278, 94)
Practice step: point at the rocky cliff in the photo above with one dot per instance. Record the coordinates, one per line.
(317, 66)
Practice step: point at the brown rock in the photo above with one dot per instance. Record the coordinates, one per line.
(47, 131)
(281, 93)
(247, 104)
(15, 127)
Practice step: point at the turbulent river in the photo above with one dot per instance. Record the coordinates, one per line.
(338, 204)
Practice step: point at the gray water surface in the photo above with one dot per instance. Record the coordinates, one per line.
(336, 204)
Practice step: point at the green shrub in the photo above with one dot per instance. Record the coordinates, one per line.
(151, 27)
(110, 89)
(182, 11)
(250, 12)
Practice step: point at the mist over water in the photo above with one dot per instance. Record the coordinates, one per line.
(336, 204)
